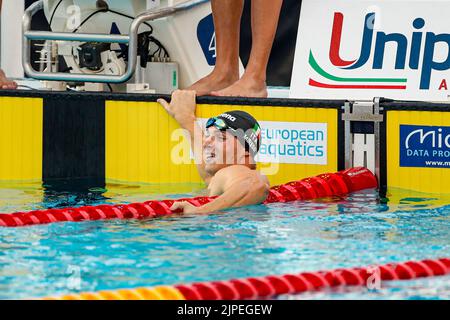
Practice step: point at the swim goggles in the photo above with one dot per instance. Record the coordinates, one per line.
(218, 123)
(243, 137)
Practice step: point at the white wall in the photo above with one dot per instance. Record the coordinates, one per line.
(11, 38)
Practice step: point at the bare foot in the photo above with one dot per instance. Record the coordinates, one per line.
(5, 83)
(245, 87)
(212, 82)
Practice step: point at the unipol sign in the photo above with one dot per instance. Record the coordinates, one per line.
(356, 49)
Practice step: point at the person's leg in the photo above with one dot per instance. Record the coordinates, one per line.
(265, 15)
(227, 17)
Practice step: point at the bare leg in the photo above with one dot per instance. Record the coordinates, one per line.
(227, 18)
(265, 15)
(5, 83)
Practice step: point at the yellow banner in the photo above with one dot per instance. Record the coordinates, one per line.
(21, 126)
(141, 141)
(403, 167)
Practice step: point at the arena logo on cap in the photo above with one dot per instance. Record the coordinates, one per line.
(424, 146)
(228, 116)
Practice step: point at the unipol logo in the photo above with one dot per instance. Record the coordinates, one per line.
(415, 51)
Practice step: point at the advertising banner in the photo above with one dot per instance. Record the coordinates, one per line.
(293, 142)
(417, 149)
(424, 146)
(290, 142)
(353, 49)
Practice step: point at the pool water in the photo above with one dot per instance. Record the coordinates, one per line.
(356, 230)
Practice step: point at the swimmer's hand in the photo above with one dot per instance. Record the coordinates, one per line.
(185, 207)
(181, 107)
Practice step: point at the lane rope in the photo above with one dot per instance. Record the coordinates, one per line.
(275, 285)
(324, 185)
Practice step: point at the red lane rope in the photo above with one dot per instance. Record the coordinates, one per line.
(324, 185)
(271, 286)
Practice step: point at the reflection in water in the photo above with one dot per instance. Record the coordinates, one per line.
(427, 288)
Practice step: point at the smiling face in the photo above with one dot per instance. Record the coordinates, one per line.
(222, 149)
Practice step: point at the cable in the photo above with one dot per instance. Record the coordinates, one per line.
(110, 88)
(152, 39)
(106, 11)
(53, 14)
(130, 17)
(87, 18)
(160, 46)
(94, 13)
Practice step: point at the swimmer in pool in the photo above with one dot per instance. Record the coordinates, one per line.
(224, 155)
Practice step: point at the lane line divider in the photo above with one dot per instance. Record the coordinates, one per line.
(324, 185)
(275, 285)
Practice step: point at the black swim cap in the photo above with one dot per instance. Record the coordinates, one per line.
(244, 127)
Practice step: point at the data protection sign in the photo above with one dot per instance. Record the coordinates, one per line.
(424, 146)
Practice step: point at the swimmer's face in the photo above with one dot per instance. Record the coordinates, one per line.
(221, 149)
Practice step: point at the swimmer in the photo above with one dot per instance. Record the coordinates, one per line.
(224, 155)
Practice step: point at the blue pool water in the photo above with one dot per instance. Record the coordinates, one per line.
(61, 258)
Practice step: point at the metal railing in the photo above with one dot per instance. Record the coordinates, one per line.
(131, 39)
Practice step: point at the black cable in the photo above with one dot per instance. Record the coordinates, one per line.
(53, 14)
(151, 38)
(106, 11)
(160, 46)
(130, 17)
(87, 18)
(110, 88)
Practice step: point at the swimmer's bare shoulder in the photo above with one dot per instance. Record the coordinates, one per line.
(238, 176)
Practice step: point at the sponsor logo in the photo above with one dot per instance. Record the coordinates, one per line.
(288, 142)
(415, 50)
(424, 146)
(293, 142)
(228, 116)
(207, 38)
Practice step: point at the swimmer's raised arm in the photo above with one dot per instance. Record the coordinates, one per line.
(225, 156)
(182, 108)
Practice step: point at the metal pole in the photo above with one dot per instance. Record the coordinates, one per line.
(348, 138)
(131, 40)
(376, 110)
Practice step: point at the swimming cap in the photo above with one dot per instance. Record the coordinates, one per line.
(244, 127)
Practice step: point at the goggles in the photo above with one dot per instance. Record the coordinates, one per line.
(250, 141)
(218, 123)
